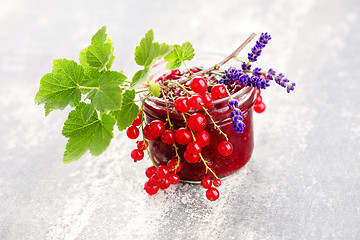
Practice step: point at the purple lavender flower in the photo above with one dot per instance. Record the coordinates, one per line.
(236, 116)
(244, 79)
(258, 82)
(282, 81)
(256, 71)
(260, 44)
(270, 74)
(233, 104)
(245, 67)
(230, 75)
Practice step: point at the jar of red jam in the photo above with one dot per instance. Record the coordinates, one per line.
(243, 143)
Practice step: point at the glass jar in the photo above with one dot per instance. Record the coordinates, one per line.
(243, 143)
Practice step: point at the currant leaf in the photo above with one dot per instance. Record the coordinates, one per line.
(154, 88)
(148, 50)
(107, 95)
(94, 135)
(100, 53)
(179, 54)
(87, 112)
(129, 111)
(146, 54)
(60, 88)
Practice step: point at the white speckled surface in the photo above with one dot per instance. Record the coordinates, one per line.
(303, 181)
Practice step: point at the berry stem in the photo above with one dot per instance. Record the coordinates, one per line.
(142, 126)
(176, 151)
(215, 125)
(206, 166)
(167, 111)
(180, 85)
(228, 93)
(186, 123)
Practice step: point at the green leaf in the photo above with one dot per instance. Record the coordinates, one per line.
(129, 111)
(148, 51)
(178, 55)
(140, 77)
(146, 54)
(100, 53)
(60, 88)
(87, 112)
(155, 89)
(94, 135)
(107, 95)
(82, 58)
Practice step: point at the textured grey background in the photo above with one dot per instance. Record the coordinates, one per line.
(303, 181)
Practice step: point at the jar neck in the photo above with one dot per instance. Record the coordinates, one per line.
(156, 108)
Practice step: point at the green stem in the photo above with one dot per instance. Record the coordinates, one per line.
(228, 93)
(206, 166)
(167, 111)
(179, 86)
(142, 126)
(186, 67)
(215, 125)
(145, 90)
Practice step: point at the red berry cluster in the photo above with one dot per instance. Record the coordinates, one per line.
(192, 135)
(133, 132)
(162, 177)
(211, 193)
(259, 106)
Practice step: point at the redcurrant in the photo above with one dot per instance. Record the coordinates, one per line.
(258, 92)
(168, 136)
(147, 134)
(181, 104)
(218, 92)
(217, 182)
(191, 158)
(202, 137)
(154, 179)
(150, 188)
(137, 121)
(225, 148)
(258, 100)
(195, 102)
(157, 128)
(212, 194)
(193, 148)
(150, 171)
(174, 165)
(198, 85)
(259, 108)
(142, 145)
(206, 182)
(165, 183)
(132, 132)
(206, 99)
(162, 171)
(183, 136)
(197, 122)
(137, 154)
(173, 178)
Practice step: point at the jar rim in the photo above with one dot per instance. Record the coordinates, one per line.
(242, 91)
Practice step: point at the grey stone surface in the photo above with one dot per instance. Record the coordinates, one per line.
(303, 181)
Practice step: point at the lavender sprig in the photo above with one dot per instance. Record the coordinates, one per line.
(260, 44)
(236, 116)
(233, 74)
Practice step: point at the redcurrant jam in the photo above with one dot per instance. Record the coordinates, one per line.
(242, 143)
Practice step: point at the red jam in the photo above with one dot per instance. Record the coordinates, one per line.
(243, 143)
